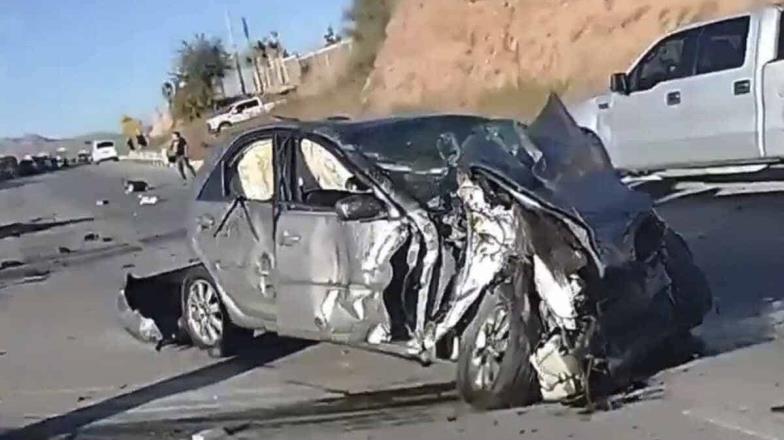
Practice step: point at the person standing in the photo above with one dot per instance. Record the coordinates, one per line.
(179, 149)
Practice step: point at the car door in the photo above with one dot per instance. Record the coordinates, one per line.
(332, 272)
(237, 113)
(235, 225)
(649, 128)
(720, 100)
(253, 108)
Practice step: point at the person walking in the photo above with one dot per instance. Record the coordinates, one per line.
(179, 149)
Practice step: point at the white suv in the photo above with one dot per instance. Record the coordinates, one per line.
(240, 111)
(104, 150)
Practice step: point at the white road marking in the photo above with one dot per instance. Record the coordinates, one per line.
(731, 426)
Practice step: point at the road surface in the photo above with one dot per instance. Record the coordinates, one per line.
(66, 367)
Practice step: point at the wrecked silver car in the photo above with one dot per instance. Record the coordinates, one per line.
(513, 250)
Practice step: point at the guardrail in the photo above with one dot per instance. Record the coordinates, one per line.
(155, 158)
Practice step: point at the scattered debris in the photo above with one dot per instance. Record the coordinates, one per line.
(128, 266)
(64, 250)
(133, 186)
(107, 239)
(83, 398)
(777, 409)
(3, 352)
(148, 200)
(10, 263)
(101, 202)
(92, 236)
(123, 386)
(19, 229)
(34, 275)
(210, 434)
(451, 418)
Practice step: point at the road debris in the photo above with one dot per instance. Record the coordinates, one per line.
(10, 263)
(64, 250)
(777, 409)
(101, 202)
(91, 236)
(134, 186)
(148, 200)
(19, 229)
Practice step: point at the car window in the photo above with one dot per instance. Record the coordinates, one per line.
(255, 172)
(328, 173)
(105, 145)
(722, 46)
(251, 104)
(672, 58)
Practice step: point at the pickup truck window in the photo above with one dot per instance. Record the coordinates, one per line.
(722, 45)
(780, 51)
(673, 58)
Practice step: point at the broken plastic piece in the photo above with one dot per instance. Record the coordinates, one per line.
(148, 200)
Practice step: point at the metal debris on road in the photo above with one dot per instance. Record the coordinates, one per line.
(148, 200)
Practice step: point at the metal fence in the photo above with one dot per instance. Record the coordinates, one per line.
(277, 75)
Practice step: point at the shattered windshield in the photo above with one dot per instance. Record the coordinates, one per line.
(406, 151)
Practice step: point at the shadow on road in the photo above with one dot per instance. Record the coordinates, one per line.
(266, 349)
(737, 240)
(17, 183)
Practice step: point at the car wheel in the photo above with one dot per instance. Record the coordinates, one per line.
(223, 126)
(493, 369)
(205, 318)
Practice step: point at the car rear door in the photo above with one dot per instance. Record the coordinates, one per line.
(235, 224)
(330, 272)
(720, 100)
(648, 125)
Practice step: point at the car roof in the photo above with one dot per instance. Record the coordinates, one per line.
(340, 128)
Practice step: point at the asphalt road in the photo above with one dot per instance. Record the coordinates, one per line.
(67, 367)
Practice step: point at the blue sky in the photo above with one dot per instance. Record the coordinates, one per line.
(73, 66)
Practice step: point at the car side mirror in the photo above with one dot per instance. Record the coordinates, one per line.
(619, 83)
(360, 207)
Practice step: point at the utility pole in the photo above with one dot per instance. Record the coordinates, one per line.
(256, 68)
(236, 53)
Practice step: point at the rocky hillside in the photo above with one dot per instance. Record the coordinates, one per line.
(463, 54)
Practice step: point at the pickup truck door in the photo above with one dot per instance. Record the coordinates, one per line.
(235, 236)
(720, 99)
(648, 125)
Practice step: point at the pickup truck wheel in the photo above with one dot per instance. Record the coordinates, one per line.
(205, 318)
(223, 126)
(493, 369)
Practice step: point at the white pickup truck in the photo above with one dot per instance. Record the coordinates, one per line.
(707, 95)
(240, 111)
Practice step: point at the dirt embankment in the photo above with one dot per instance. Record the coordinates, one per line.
(464, 54)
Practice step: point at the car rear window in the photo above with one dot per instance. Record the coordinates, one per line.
(105, 144)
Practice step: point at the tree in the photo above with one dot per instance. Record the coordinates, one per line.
(200, 63)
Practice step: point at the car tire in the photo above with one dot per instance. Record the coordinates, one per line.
(511, 379)
(690, 288)
(222, 126)
(205, 318)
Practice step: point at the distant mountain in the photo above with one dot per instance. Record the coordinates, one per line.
(35, 143)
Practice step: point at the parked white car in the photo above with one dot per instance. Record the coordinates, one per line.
(240, 111)
(707, 95)
(103, 151)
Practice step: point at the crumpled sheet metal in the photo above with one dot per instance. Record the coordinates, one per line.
(359, 313)
(141, 328)
(492, 236)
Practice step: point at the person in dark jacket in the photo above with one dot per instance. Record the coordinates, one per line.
(179, 150)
